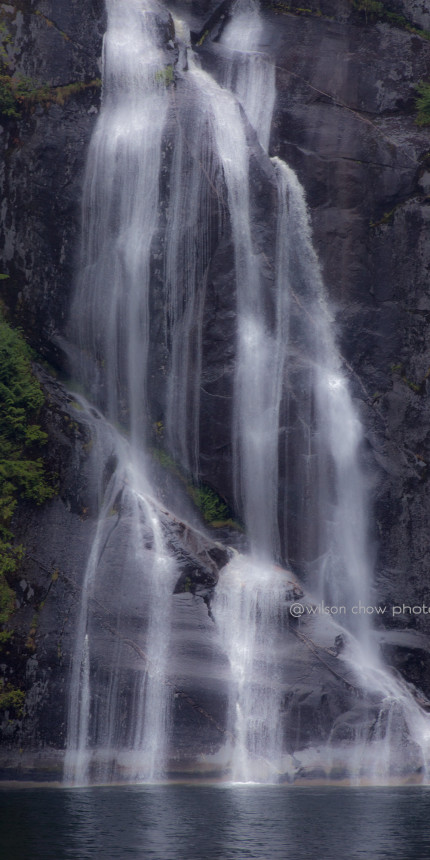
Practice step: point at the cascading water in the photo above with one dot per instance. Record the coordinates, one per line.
(110, 320)
(119, 712)
(297, 483)
(111, 313)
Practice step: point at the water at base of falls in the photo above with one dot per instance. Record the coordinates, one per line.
(297, 482)
(248, 609)
(119, 691)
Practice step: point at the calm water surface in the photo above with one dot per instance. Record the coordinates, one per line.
(177, 822)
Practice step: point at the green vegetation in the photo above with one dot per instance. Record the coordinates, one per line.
(202, 38)
(422, 103)
(417, 387)
(373, 10)
(50, 23)
(5, 40)
(165, 76)
(288, 8)
(22, 473)
(166, 461)
(31, 642)
(11, 698)
(387, 218)
(370, 10)
(212, 507)
(18, 92)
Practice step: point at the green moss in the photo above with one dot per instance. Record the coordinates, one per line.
(167, 462)
(373, 11)
(387, 218)
(60, 95)
(22, 472)
(422, 103)
(417, 387)
(8, 105)
(31, 641)
(50, 23)
(165, 76)
(5, 40)
(20, 92)
(414, 386)
(202, 38)
(288, 8)
(212, 507)
(11, 699)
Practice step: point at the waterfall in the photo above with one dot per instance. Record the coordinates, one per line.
(119, 694)
(120, 216)
(170, 174)
(118, 723)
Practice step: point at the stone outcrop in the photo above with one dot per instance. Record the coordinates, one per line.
(320, 689)
(38, 659)
(43, 161)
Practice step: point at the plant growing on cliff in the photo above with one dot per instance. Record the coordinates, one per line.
(165, 76)
(374, 10)
(371, 9)
(19, 92)
(11, 698)
(5, 40)
(22, 472)
(212, 507)
(422, 103)
(7, 99)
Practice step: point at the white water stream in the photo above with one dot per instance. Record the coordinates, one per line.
(110, 319)
(288, 375)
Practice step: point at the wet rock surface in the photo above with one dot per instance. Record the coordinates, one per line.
(38, 659)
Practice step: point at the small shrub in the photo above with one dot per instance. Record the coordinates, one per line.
(165, 76)
(422, 103)
(22, 472)
(212, 507)
(19, 92)
(11, 698)
(8, 106)
(373, 11)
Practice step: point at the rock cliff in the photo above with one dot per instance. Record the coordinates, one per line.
(345, 121)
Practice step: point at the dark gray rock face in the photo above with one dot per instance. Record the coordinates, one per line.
(320, 690)
(344, 121)
(57, 539)
(416, 11)
(44, 157)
